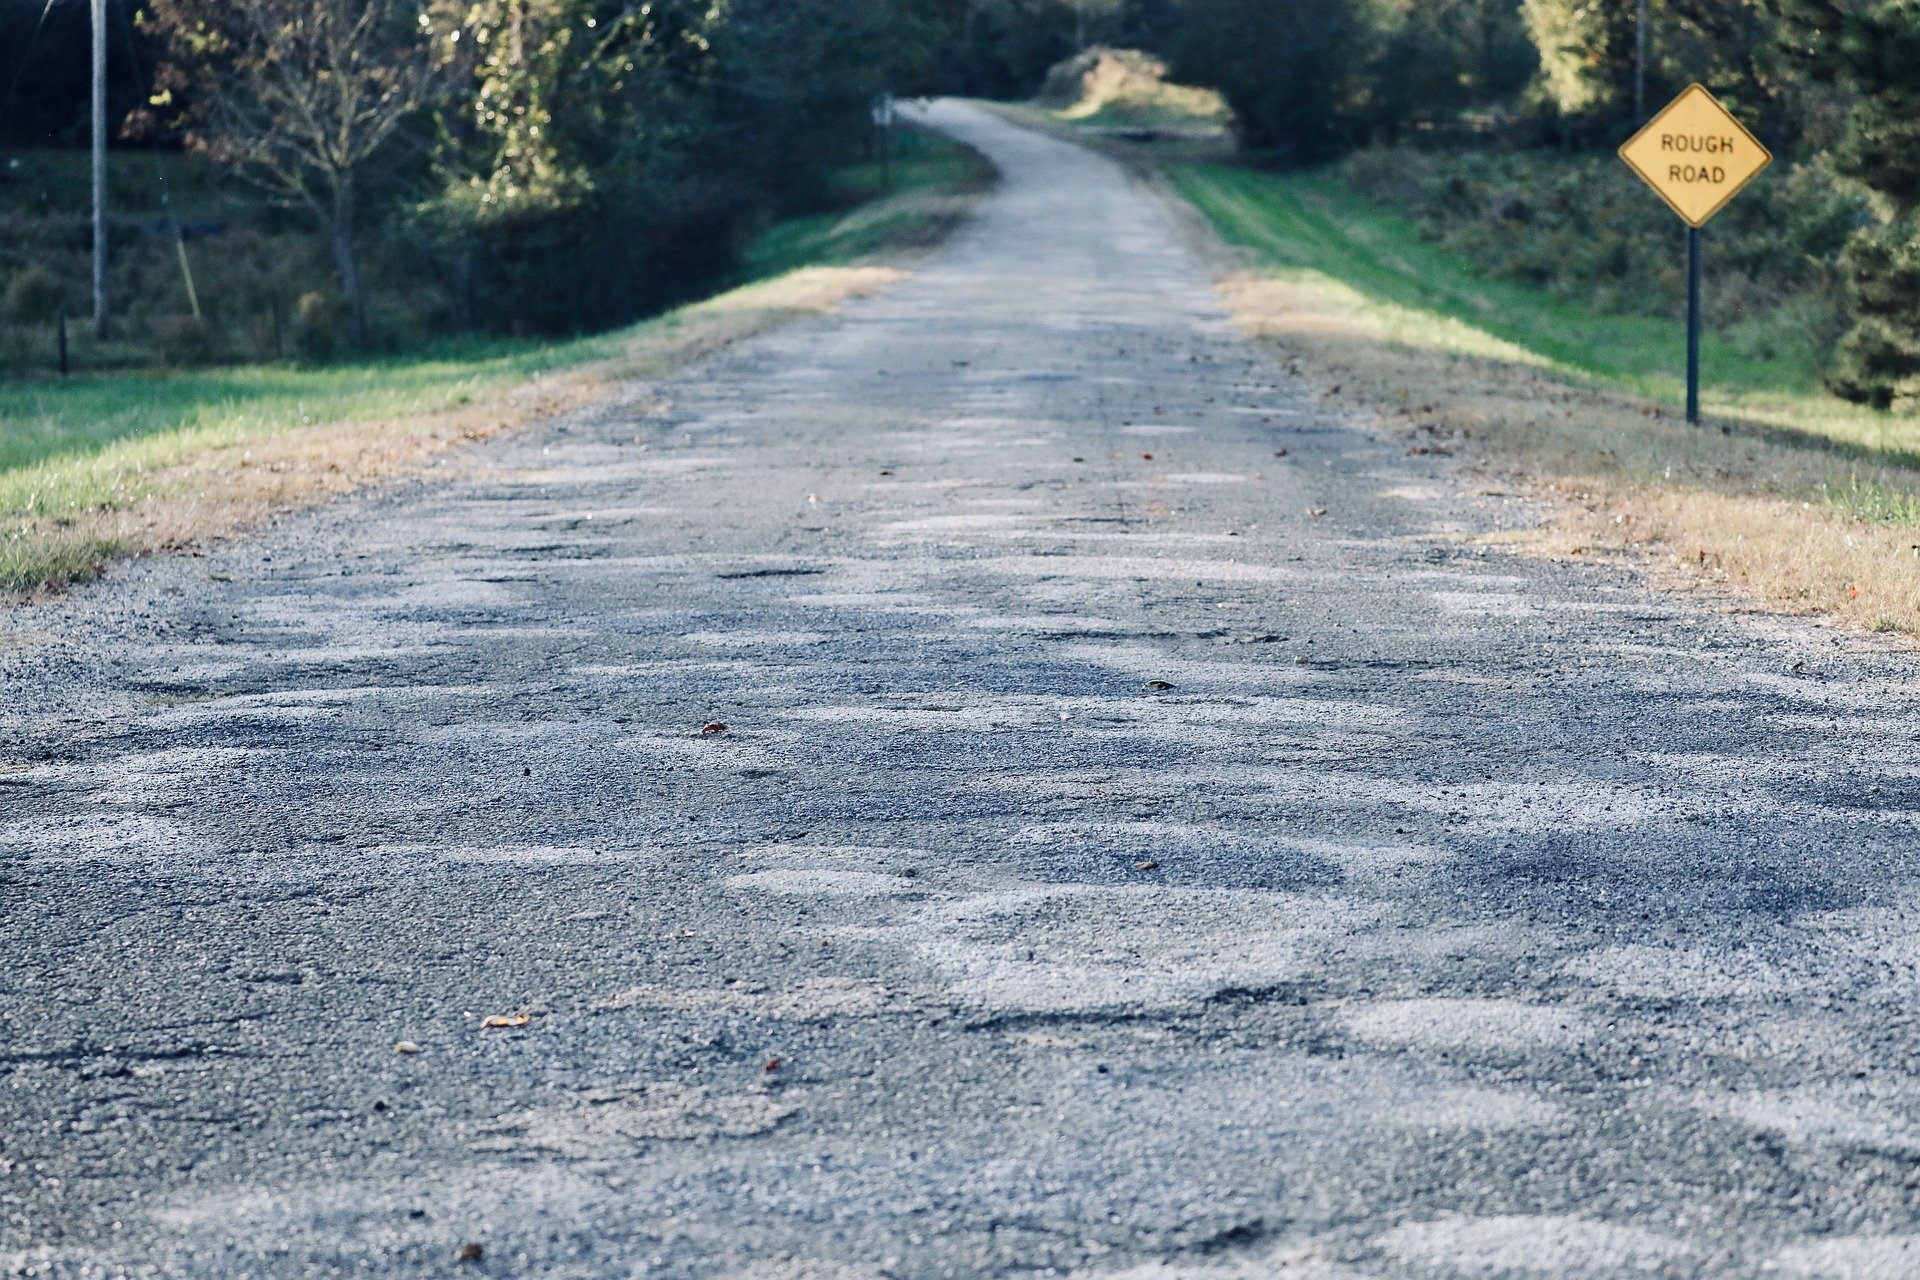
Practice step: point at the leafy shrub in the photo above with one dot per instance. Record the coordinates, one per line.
(1879, 359)
(184, 341)
(1126, 86)
(34, 295)
(317, 325)
(19, 351)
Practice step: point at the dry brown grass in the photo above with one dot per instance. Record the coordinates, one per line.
(1767, 517)
(163, 495)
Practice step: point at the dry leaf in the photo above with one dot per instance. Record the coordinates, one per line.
(773, 1064)
(406, 1046)
(712, 728)
(1316, 512)
(1145, 864)
(1147, 456)
(493, 1020)
(1159, 684)
(469, 1253)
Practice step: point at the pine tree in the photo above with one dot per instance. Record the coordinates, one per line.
(1872, 49)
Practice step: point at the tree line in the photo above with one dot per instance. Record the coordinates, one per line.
(572, 163)
(568, 164)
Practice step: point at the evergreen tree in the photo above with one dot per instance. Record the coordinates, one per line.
(1871, 48)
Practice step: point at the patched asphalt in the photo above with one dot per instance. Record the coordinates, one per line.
(1128, 851)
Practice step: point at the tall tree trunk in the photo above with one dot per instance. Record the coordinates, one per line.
(345, 261)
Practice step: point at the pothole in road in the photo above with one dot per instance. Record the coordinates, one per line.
(813, 1000)
(826, 882)
(1085, 949)
(1117, 853)
(612, 1122)
(1468, 1025)
(1557, 1245)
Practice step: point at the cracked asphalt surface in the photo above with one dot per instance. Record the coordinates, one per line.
(1108, 865)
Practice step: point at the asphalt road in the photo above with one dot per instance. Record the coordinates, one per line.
(1129, 850)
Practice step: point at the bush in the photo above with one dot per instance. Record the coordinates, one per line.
(34, 295)
(1879, 360)
(184, 341)
(1127, 86)
(20, 350)
(317, 322)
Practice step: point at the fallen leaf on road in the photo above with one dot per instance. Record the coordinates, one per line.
(773, 1064)
(1146, 864)
(1159, 684)
(493, 1020)
(1279, 453)
(1147, 456)
(406, 1046)
(713, 728)
(1316, 512)
(469, 1253)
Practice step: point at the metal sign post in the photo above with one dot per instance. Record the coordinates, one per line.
(1693, 325)
(1697, 157)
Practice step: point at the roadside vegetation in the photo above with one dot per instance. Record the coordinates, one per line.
(1582, 229)
(319, 180)
(116, 463)
(1126, 92)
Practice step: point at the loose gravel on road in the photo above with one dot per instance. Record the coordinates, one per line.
(935, 791)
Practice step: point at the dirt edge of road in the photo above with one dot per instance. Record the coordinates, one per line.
(1694, 508)
(1748, 517)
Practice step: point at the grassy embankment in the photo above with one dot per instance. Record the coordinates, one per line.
(1789, 495)
(111, 464)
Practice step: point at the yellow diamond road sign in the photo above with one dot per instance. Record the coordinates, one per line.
(1696, 155)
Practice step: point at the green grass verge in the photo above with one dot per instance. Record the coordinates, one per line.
(1320, 234)
(46, 420)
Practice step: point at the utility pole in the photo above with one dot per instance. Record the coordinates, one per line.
(99, 168)
(883, 135)
(1640, 66)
